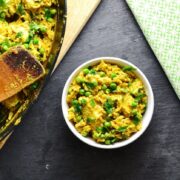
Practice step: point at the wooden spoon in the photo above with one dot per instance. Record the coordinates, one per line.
(18, 69)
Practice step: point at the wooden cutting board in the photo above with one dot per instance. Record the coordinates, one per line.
(78, 13)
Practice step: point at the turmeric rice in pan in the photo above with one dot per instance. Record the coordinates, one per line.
(31, 25)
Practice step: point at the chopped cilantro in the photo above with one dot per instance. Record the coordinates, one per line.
(91, 85)
(92, 103)
(128, 68)
(108, 106)
(77, 106)
(2, 15)
(19, 34)
(34, 86)
(122, 129)
(90, 119)
(2, 3)
(134, 104)
(139, 97)
(20, 9)
(136, 120)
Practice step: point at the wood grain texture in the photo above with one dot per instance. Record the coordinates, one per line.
(78, 13)
(4, 141)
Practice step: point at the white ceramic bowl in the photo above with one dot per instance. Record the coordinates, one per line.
(146, 117)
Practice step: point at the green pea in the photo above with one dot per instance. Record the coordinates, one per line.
(90, 119)
(108, 91)
(86, 71)
(49, 19)
(92, 71)
(102, 136)
(104, 87)
(79, 80)
(83, 102)
(53, 11)
(107, 142)
(2, 15)
(42, 50)
(74, 102)
(134, 112)
(79, 118)
(113, 75)
(78, 108)
(43, 29)
(134, 104)
(5, 47)
(87, 93)
(81, 91)
(107, 124)
(26, 46)
(102, 74)
(35, 41)
(95, 83)
(113, 86)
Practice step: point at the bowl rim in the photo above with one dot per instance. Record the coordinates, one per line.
(147, 117)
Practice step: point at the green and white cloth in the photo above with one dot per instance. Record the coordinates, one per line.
(160, 23)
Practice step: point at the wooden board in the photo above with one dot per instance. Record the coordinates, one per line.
(78, 13)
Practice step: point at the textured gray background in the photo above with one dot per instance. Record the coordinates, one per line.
(43, 148)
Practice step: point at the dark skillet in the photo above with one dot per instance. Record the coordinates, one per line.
(56, 46)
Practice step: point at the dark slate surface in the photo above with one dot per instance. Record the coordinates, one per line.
(43, 148)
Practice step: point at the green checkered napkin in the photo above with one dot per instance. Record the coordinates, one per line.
(160, 23)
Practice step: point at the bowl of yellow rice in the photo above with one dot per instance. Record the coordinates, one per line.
(107, 102)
